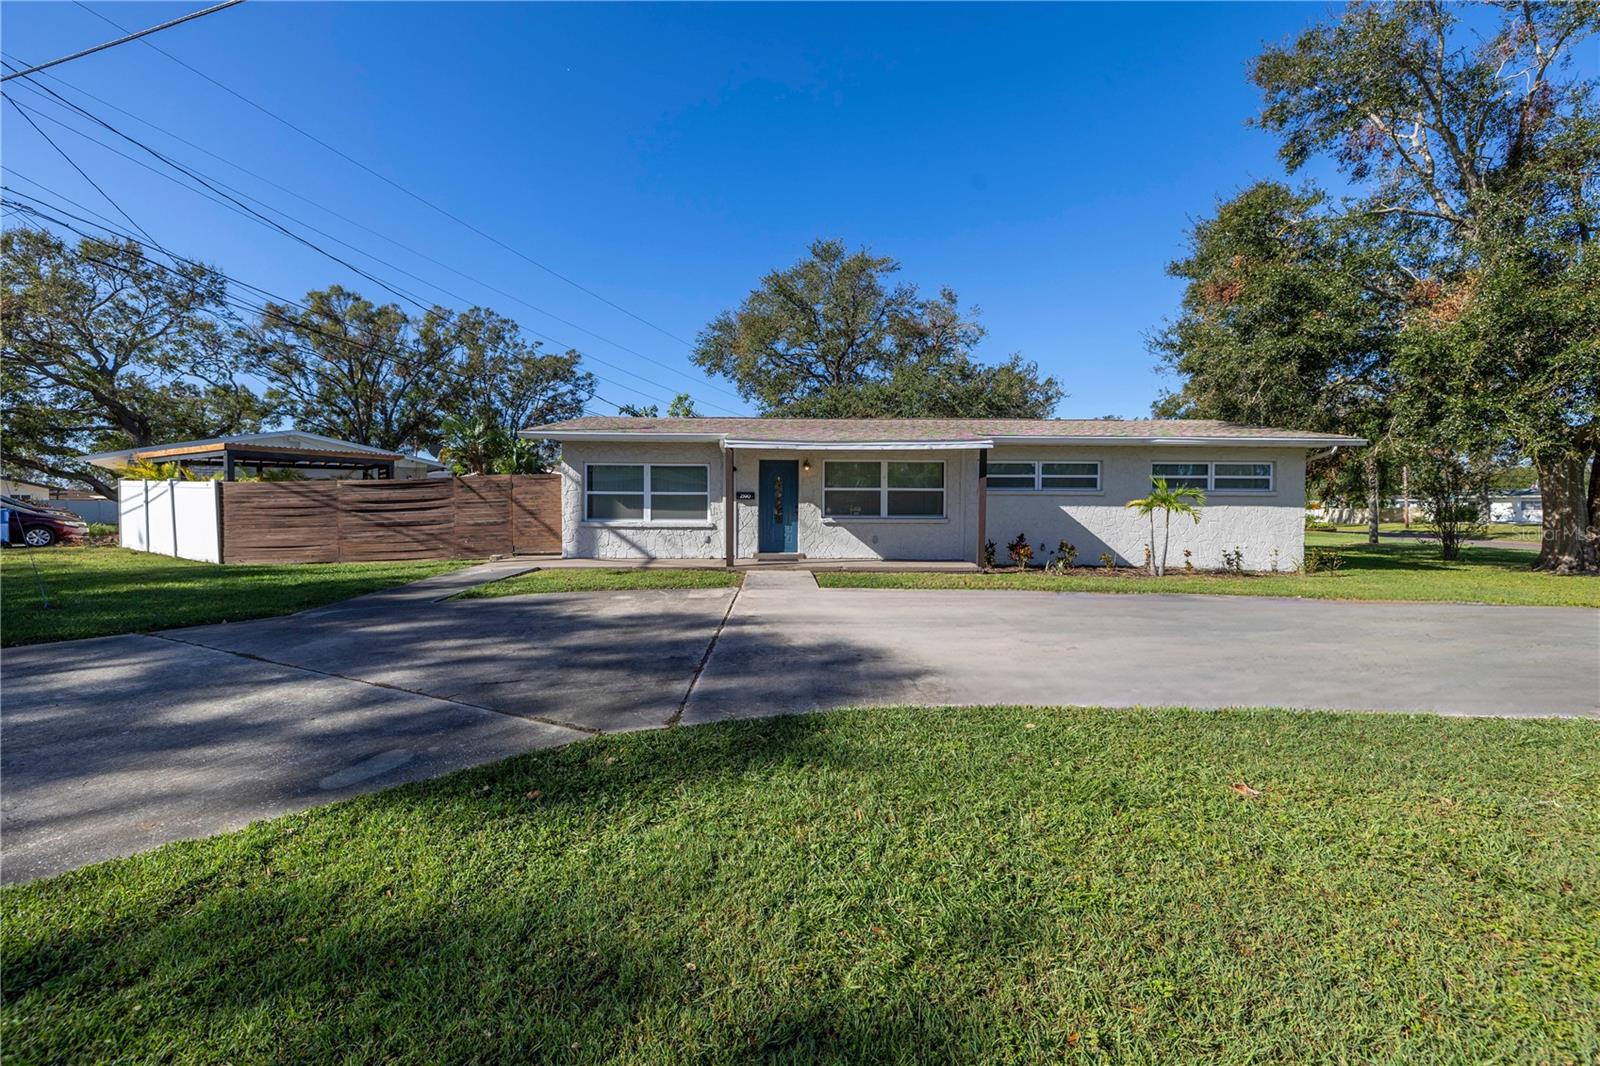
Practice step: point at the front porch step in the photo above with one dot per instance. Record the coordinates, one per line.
(779, 557)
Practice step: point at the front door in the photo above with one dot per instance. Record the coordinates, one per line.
(779, 501)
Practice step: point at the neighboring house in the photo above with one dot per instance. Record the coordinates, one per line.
(24, 490)
(309, 454)
(1521, 507)
(924, 489)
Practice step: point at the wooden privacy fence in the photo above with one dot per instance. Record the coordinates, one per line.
(362, 521)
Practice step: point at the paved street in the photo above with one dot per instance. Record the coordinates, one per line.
(114, 745)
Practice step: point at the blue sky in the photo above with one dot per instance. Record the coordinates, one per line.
(1044, 162)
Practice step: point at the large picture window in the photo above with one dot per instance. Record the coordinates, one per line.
(646, 492)
(1216, 477)
(1043, 476)
(882, 489)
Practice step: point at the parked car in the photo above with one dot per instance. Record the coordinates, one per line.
(39, 527)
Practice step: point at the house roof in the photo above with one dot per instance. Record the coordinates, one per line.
(928, 432)
(291, 444)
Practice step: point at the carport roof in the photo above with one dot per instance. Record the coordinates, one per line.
(928, 432)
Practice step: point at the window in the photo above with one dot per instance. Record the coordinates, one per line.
(1045, 476)
(1242, 477)
(1216, 477)
(643, 492)
(892, 489)
(1183, 475)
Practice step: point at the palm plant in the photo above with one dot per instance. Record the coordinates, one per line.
(1184, 500)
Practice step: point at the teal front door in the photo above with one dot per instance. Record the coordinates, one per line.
(779, 500)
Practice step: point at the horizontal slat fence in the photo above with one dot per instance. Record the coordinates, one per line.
(366, 521)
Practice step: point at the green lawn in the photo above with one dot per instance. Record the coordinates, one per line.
(590, 579)
(1494, 531)
(982, 885)
(97, 591)
(1387, 571)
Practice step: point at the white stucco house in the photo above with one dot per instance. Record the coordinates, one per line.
(923, 489)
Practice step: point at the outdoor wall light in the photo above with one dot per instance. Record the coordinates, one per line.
(805, 464)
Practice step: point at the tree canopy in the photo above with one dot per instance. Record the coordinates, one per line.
(106, 349)
(835, 336)
(1462, 257)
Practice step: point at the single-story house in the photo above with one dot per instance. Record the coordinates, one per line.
(311, 455)
(924, 488)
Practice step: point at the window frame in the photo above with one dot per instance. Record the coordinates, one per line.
(884, 490)
(648, 492)
(1211, 474)
(1039, 475)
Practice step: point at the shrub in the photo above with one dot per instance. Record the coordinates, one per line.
(1188, 561)
(1021, 551)
(1233, 562)
(1066, 556)
(1108, 561)
(102, 529)
(988, 555)
(1320, 560)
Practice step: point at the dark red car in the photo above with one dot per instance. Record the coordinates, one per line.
(34, 526)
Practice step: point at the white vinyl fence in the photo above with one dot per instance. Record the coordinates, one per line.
(176, 518)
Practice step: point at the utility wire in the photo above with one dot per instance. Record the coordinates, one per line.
(700, 382)
(81, 172)
(125, 39)
(218, 187)
(396, 185)
(263, 312)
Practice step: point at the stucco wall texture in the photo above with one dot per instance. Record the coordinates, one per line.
(1258, 524)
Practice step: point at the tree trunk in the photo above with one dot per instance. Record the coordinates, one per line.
(1567, 545)
(1374, 499)
(1166, 539)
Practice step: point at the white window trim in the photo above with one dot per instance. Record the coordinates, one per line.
(702, 522)
(1039, 475)
(1211, 475)
(883, 514)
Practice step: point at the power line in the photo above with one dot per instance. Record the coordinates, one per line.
(233, 203)
(396, 185)
(376, 233)
(124, 40)
(261, 311)
(81, 172)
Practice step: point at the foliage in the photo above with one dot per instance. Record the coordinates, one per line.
(1481, 154)
(505, 380)
(102, 348)
(1321, 560)
(760, 889)
(1454, 490)
(101, 591)
(1066, 556)
(834, 337)
(145, 470)
(1288, 318)
(1108, 561)
(1020, 551)
(1233, 561)
(1394, 570)
(682, 406)
(988, 555)
(1184, 500)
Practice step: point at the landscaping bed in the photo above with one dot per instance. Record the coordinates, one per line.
(97, 591)
(986, 884)
(1391, 570)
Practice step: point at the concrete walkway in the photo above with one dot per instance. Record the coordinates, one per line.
(115, 745)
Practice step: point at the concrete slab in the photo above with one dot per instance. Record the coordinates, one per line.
(114, 745)
(842, 647)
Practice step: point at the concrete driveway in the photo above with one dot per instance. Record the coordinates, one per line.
(115, 745)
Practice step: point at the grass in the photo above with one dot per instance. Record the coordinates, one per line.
(94, 592)
(594, 579)
(982, 885)
(1494, 530)
(1389, 570)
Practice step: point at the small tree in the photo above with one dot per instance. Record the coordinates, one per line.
(1184, 500)
(1453, 488)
